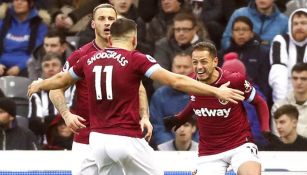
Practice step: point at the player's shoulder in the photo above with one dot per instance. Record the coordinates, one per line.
(140, 55)
(89, 47)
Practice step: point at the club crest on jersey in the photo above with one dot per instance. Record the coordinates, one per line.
(151, 59)
(66, 66)
(193, 98)
(247, 86)
(223, 102)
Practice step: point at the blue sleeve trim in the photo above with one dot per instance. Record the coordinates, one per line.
(151, 70)
(73, 74)
(252, 95)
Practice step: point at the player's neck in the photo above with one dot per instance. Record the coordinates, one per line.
(214, 76)
(123, 45)
(101, 42)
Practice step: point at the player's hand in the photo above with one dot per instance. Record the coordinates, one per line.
(73, 122)
(34, 87)
(172, 123)
(145, 123)
(229, 94)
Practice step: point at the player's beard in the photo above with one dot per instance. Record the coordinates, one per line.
(203, 78)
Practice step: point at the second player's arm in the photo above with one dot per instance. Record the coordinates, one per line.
(59, 80)
(144, 113)
(189, 85)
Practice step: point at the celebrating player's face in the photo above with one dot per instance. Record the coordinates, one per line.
(204, 65)
(102, 21)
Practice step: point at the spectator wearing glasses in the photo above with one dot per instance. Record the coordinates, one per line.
(296, 97)
(247, 44)
(186, 31)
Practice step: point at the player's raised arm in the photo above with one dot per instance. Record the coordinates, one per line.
(189, 85)
(59, 80)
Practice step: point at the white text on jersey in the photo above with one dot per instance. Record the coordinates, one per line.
(111, 54)
(205, 112)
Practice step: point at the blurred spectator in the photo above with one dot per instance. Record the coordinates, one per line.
(66, 21)
(41, 109)
(162, 21)
(167, 101)
(286, 119)
(286, 51)
(59, 136)
(126, 8)
(21, 30)
(59, 9)
(292, 5)
(13, 137)
(296, 97)
(185, 32)
(55, 42)
(268, 21)
(183, 138)
(254, 56)
(148, 9)
(233, 64)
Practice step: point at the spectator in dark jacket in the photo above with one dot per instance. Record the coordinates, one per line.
(186, 31)
(13, 137)
(253, 55)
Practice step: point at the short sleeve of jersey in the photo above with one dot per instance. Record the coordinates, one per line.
(144, 64)
(77, 71)
(71, 60)
(239, 82)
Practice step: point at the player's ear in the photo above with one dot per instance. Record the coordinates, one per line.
(215, 61)
(134, 41)
(93, 24)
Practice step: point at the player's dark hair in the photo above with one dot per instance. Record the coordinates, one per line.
(53, 32)
(288, 109)
(103, 6)
(299, 67)
(205, 46)
(243, 19)
(122, 26)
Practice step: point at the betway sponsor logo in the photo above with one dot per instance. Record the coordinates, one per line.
(205, 112)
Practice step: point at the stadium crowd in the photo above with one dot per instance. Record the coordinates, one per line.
(264, 40)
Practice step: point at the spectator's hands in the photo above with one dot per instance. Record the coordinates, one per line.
(145, 123)
(2, 69)
(34, 87)
(63, 21)
(13, 71)
(73, 122)
(229, 94)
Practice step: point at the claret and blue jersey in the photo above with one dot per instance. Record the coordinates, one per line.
(113, 78)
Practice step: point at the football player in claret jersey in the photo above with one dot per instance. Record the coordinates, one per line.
(113, 77)
(224, 133)
(103, 16)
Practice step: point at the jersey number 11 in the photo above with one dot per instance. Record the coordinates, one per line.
(108, 70)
